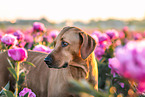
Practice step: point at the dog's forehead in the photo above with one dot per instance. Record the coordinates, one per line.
(71, 33)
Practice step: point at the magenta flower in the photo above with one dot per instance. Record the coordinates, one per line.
(114, 65)
(137, 36)
(125, 29)
(113, 34)
(141, 87)
(28, 38)
(99, 52)
(42, 48)
(18, 54)
(104, 41)
(131, 58)
(25, 91)
(9, 39)
(1, 34)
(38, 27)
(53, 34)
(19, 35)
(121, 35)
(97, 33)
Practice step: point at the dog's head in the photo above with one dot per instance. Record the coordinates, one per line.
(72, 44)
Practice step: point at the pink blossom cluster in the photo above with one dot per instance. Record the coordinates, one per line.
(25, 91)
(129, 62)
(103, 41)
(19, 35)
(9, 39)
(38, 27)
(18, 54)
(42, 48)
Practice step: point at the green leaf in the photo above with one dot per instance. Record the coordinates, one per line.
(6, 87)
(29, 63)
(13, 72)
(26, 95)
(21, 78)
(9, 93)
(10, 63)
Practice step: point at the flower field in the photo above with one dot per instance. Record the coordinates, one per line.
(120, 55)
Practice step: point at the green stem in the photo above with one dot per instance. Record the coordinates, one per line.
(18, 66)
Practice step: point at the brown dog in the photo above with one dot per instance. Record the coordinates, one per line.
(72, 58)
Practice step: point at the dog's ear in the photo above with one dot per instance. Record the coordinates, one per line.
(88, 44)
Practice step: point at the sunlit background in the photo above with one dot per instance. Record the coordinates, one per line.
(58, 11)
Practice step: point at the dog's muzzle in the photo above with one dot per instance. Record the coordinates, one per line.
(48, 60)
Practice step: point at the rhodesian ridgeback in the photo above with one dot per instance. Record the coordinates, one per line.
(72, 58)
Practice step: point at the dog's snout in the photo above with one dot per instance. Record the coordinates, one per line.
(48, 60)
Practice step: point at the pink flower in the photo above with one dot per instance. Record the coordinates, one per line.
(38, 27)
(125, 29)
(42, 48)
(137, 36)
(32, 94)
(141, 87)
(53, 34)
(131, 58)
(99, 52)
(121, 35)
(113, 34)
(19, 35)
(28, 38)
(18, 54)
(114, 65)
(104, 41)
(25, 91)
(9, 39)
(97, 33)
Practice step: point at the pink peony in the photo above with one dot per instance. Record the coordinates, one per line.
(25, 91)
(38, 27)
(19, 35)
(130, 64)
(104, 41)
(137, 36)
(125, 29)
(53, 34)
(97, 33)
(99, 52)
(9, 39)
(113, 34)
(18, 54)
(42, 48)
(121, 35)
(114, 65)
(28, 38)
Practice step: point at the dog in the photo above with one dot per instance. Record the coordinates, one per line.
(71, 58)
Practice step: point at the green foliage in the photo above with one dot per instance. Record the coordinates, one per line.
(13, 72)
(21, 78)
(5, 88)
(29, 63)
(84, 86)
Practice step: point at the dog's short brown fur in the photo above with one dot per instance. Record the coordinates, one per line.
(53, 82)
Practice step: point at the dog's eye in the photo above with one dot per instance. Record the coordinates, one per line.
(64, 44)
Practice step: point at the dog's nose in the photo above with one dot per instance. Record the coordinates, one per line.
(48, 60)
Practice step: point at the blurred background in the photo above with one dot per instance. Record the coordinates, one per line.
(34, 25)
(90, 14)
